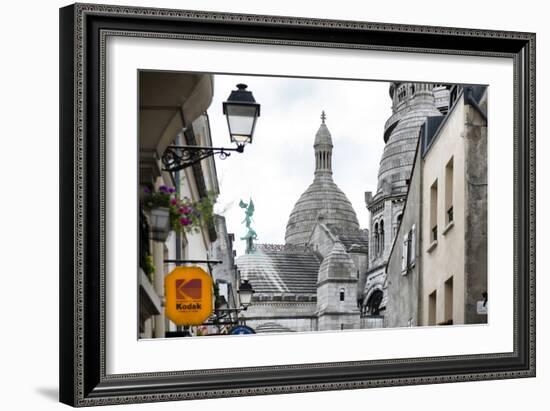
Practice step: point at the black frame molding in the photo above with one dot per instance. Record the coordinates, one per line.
(83, 29)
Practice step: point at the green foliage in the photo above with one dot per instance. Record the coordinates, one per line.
(154, 199)
(149, 267)
(185, 215)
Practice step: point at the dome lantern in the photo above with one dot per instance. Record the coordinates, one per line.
(323, 198)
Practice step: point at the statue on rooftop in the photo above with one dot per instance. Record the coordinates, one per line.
(250, 235)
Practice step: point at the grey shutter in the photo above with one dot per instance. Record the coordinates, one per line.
(404, 258)
(413, 245)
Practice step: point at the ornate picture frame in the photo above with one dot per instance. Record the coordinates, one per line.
(84, 29)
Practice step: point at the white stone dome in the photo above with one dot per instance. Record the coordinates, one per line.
(322, 199)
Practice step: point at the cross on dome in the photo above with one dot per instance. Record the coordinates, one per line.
(323, 116)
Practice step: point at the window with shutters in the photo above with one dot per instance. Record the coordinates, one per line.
(409, 254)
(433, 212)
(405, 255)
(408, 258)
(412, 242)
(449, 217)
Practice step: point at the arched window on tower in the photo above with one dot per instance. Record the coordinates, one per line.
(381, 237)
(397, 224)
(342, 294)
(375, 239)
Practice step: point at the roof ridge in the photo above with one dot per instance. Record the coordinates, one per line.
(287, 248)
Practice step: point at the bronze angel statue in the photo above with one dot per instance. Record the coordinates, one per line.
(250, 235)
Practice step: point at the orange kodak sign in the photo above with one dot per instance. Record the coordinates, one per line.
(188, 292)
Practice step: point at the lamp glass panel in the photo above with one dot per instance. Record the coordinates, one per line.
(241, 121)
(245, 297)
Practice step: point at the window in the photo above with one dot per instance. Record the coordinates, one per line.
(408, 258)
(381, 238)
(401, 94)
(375, 239)
(342, 294)
(405, 254)
(433, 212)
(449, 301)
(412, 246)
(432, 305)
(449, 192)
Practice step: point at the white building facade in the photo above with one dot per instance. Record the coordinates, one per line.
(412, 103)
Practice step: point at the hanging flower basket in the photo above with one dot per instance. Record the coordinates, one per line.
(169, 212)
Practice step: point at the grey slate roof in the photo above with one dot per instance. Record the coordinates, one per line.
(280, 269)
(350, 238)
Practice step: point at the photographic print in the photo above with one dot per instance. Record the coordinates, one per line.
(233, 185)
(287, 205)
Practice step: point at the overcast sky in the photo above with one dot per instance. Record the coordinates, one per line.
(278, 166)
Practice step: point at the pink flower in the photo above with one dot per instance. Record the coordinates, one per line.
(186, 210)
(185, 221)
(173, 201)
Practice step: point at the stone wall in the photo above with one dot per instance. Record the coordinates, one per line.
(337, 291)
(475, 140)
(403, 285)
(321, 240)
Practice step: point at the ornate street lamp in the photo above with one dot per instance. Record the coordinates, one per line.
(160, 223)
(241, 111)
(245, 294)
(223, 315)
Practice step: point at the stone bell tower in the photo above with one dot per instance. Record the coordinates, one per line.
(411, 104)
